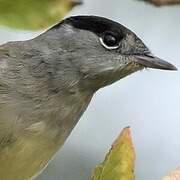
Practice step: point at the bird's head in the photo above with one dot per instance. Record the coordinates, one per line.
(102, 51)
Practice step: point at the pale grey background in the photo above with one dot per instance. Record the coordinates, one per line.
(148, 101)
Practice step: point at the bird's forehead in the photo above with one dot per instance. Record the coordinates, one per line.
(95, 24)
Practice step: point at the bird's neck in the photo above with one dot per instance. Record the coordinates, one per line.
(56, 115)
(48, 94)
(67, 110)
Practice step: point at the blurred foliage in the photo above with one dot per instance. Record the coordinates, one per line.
(119, 162)
(163, 2)
(33, 14)
(175, 175)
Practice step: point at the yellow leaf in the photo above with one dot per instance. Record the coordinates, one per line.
(119, 162)
(33, 14)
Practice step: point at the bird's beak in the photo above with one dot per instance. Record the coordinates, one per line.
(150, 61)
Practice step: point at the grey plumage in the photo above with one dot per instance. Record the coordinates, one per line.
(46, 84)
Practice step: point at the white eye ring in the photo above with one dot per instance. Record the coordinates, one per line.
(108, 47)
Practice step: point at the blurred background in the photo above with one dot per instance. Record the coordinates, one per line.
(148, 101)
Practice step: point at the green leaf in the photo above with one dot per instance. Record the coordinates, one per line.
(119, 162)
(33, 14)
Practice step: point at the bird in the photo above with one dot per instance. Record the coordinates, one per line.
(46, 84)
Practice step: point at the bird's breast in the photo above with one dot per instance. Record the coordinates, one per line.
(39, 137)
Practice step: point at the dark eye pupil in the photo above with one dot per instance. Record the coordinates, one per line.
(110, 40)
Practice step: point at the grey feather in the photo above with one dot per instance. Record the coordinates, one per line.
(47, 83)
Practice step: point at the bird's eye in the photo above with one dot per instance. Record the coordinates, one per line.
(110, 40)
